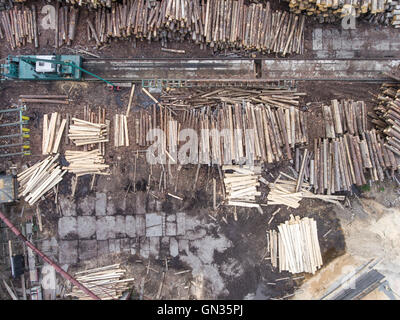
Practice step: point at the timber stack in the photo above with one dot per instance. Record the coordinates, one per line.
(86, 162)
(53, 129)
(19, 27)
(219, 24)
(83, 132)
(39, 179)
(296, 246)
(108, 283)
(241, 185)
(330, 11)
(121, 134)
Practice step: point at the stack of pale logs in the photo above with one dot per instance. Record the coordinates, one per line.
(241, 185)
(331, 10)
(83, 132)
(348, 152)
(288, 191)
(19, 27)
(108, 283)
(85, 162)
(295, 246)
(52, 133)
(220, 24)
(40, 178)
(387, 118)
(391, 15)
(121, 134)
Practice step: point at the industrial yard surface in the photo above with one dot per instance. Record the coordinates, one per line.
(199, 149)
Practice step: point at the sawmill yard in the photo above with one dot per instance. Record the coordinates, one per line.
(220, 149)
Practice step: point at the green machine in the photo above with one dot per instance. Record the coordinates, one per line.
(46, 67)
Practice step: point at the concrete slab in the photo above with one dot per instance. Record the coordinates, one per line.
(86, 206)
(87, 249)
(154, 247)
(140, 225)
(173, 247)
(141, 200)
(144, 247)
(101, 204)
(68, 252)
(135, 245)
(183, 246)
(68, 206)
(153, 225)
(105, 228)
(111, 210)
(49, 247)
(102, 247)
(126, 245)
(86, 227)
(180, 223)
(67, 228)
(130, 226)
(170, 225)
(120, 227)
(114, 245)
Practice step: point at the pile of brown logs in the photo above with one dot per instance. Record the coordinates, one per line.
(344, 116)
(296, 246)
(66, 21)
(331, 10)
(387, 117)
(220, 24)
(251, 132)
(19, 27)
(334, 165)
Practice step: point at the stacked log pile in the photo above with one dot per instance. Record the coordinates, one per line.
(289, 191)
(241, 185)
(53, 129)
(85, 162)
(66, 21)
(296, 246)
(220, 24)
(330, 11)
(40, 178)
(108, 283)
(183, 99)
(83, 132)
(245, 132)
(121, 133)
(19, 27)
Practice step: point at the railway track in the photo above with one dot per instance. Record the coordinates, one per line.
(240, 69)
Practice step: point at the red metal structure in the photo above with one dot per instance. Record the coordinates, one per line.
(64, 274)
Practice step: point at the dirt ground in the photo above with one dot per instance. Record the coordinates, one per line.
(242, 266)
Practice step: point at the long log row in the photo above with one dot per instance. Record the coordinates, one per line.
(334, 165)
(66, 22)
(345, 116)
(387, 117)
(220, 24)
(332, 10)
(296, 246)
(391, 15)
(19, 26)
(183, 99)
(245, 132)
